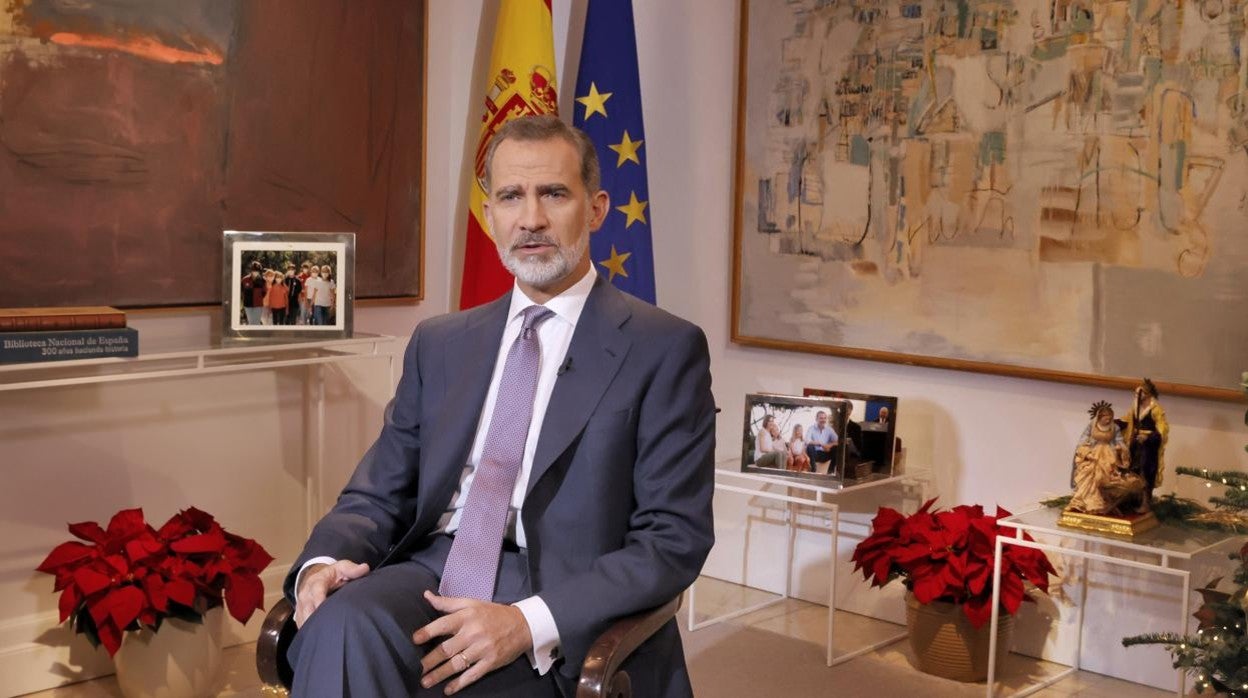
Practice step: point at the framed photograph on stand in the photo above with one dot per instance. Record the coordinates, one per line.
(869, 430)
(287, 285)
(794, 436)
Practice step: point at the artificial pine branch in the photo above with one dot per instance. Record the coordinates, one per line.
(1234, 478)
(1154, 639)
(1234, 499)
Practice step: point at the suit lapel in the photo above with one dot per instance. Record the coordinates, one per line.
(468, 358)
(596, 353)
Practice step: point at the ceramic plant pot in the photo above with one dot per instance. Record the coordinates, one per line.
(181, 660)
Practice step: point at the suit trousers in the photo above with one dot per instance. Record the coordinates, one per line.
(359, 642)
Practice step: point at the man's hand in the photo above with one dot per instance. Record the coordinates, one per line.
(319, 581)
(480, 637)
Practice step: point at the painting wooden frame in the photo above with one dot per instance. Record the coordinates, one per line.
(1196, 355)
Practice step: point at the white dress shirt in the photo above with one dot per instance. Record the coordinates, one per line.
(555, 335)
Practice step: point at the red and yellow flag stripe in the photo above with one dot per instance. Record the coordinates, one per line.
(521, 82)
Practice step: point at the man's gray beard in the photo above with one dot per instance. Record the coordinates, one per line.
(541, 273)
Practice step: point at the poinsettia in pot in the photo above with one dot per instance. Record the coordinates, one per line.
(148, 595)
(945, 559)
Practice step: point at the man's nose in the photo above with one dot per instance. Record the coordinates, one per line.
(533, 215)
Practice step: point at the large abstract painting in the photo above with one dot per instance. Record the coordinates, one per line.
(133, 132)
(1047, 188)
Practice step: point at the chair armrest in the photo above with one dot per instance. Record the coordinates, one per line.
(600, 674)
(275, 637)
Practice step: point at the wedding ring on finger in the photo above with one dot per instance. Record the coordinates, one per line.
(462, 664)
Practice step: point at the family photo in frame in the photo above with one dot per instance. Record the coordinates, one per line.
(293, 285)
(824, 435)
(794, 436)
(869, 431)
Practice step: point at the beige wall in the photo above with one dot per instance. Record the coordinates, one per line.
(233, 445)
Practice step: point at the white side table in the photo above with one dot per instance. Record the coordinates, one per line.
(1166, 543)
(820, 496)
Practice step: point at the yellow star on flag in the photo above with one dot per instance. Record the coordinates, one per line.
(595, 102)
(615, 264)
(634, 209)
(627, 150)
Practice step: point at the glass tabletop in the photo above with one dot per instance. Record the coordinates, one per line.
(174, 355)
(814, 483)
(1168, 539)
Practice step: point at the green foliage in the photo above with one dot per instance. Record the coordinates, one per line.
(1181, 511)
(1168, 509)
(277, 259)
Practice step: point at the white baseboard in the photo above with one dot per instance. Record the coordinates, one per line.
(37, 652)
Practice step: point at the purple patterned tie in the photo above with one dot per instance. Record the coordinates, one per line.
(472, 564)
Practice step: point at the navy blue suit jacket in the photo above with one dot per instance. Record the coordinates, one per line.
(617, 515)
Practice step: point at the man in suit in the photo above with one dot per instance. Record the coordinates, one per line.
(609, 440)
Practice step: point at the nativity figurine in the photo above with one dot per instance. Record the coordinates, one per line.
(1101, 475)
(1146, 434)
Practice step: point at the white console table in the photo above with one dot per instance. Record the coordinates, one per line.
(27, 662)
(178, 357)
(1162, 547)
(797, 493)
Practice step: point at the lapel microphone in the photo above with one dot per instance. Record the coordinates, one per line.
(565, 367)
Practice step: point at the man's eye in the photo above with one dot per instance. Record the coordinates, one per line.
(557, 194)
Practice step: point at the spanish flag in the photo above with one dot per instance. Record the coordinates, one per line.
(521, 82)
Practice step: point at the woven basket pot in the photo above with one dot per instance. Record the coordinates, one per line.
(945, 644)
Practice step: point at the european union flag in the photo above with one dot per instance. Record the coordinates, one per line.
(608, 96)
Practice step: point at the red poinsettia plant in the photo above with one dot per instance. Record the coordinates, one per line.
(131, 575)
(946, 555)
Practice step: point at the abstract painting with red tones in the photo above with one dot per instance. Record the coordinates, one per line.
(133, 132)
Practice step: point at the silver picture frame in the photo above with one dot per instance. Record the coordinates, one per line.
(304, 316)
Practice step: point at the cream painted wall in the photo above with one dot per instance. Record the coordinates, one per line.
(231, 445)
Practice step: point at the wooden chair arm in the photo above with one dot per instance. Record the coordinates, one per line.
(275, 637)
(600, 674)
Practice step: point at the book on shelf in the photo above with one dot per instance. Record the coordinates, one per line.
(68, 318)
(68, 345)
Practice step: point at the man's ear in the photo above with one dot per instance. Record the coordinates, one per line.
(489, 222)
(600, 205)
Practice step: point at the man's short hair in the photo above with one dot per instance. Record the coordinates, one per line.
(544, 127)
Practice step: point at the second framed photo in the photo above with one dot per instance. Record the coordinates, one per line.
(288, 285)
(869, 432)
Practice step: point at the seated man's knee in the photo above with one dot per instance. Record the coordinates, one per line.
(352, 609)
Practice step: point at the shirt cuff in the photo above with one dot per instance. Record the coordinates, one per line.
(314, 561)
(545, 633)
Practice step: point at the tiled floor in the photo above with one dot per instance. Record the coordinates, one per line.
(883, 672)
(887, 671)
